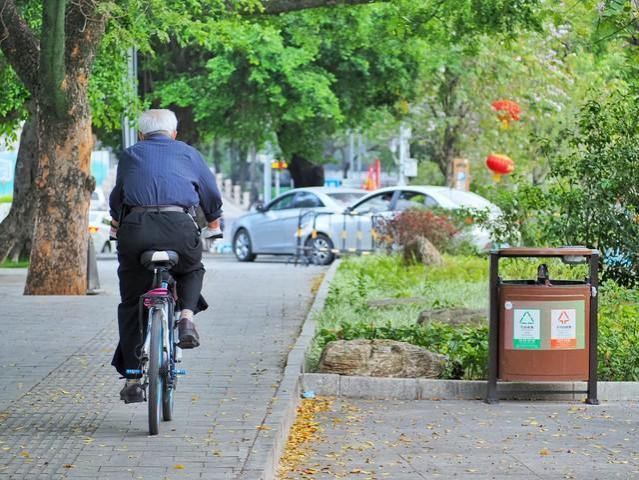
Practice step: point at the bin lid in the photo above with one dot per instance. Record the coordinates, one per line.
(545, 252)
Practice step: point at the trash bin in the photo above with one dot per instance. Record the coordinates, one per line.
(543, 329)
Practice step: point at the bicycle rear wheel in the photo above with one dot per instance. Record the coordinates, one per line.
(154, 373)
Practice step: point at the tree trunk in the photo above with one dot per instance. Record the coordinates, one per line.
(58, 262)
(16, 231)
(305, 173)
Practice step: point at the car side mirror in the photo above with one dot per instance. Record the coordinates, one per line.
(260, 207)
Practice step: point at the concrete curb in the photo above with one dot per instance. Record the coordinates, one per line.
(263, 461)
(381, 388)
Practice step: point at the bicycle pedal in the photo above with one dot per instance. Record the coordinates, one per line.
(180, 372)
(133, 372)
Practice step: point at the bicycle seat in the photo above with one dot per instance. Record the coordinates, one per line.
(152, 259)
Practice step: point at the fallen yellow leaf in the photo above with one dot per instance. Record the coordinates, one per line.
(544, 452)
(178, 466)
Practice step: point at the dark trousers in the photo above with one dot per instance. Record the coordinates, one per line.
(141, 231)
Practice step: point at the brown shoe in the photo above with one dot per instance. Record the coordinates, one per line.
(187, 333)
(133, 392)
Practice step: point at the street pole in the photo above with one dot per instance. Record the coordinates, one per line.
(129, 132)
(266, 160)
(351, 154)
(360, 148)
(404, 152)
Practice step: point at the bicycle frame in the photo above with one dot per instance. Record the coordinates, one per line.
(164, 302)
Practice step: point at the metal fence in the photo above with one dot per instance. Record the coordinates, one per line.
(349, 233)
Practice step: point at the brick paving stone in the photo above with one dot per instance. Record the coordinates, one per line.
(414, 440)
(65, 420)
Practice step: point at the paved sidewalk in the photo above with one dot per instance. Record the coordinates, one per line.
(469, 440)
(60, 416)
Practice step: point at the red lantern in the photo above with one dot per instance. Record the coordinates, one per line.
(500, 165)
(507, 110)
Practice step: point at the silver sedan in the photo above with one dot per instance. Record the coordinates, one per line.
(285, 225)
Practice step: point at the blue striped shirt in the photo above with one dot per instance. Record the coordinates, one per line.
(163, 171)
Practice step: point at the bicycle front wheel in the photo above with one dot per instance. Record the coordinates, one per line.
(154, 373)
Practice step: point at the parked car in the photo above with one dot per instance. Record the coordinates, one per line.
(388, 202)
(98, 200)
(99, 226)
(272, 229)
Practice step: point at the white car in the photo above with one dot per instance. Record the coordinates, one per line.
(98, 200)
(354, 230)
(99, 226)
(273, 229)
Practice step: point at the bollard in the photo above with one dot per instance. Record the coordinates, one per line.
(237, 194)
(93, 280)
(246, 200)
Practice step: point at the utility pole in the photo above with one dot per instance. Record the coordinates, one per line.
(351, 154)
(129, 132)
(404, 152)
(266, 159)
(360, 154)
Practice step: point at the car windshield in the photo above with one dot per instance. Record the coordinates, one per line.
(345, 199)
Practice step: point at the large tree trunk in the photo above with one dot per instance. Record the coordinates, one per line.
(305, 173)
(58, 262)
(16, 231)
(70, 37)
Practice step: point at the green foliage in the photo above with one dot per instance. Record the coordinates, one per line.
(548, 69)
(597, 203)
(618, 354)
(6, 198)
(347, 314)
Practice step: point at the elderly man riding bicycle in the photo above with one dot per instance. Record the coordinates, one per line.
(160, 182)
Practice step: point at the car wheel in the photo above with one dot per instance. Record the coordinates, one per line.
(320, 249)
(242, 246)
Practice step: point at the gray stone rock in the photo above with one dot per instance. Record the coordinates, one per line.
(420, 250)
(380, 358)
(454, 316)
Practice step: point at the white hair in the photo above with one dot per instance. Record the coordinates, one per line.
(157, 120)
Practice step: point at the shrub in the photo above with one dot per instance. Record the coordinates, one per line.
(412, 223)
(618, 351)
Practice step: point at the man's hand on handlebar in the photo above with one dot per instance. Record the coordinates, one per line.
(113, 231)
(213, 230)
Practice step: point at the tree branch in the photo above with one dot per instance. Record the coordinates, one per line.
(273, 7)
(85, 25)
(19, 44)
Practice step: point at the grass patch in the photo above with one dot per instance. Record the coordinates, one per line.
(461, 282)
(12, 264)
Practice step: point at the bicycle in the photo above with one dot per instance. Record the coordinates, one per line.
(160, 354)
